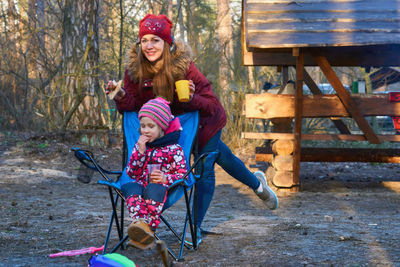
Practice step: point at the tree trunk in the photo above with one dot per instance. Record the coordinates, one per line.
(224, 30)
(180, 20)
(80, 56)
(192, 32)
(170, 13)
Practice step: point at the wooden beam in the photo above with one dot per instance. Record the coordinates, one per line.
(351, 56)
(339, 124)
(345, 97)
(268, 136)
(320, 137)
(268, 106)
(351, 155)
(314, 154)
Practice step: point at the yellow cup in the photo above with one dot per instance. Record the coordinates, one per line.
(182, 89)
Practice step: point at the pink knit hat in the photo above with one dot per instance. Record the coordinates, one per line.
(158, 110)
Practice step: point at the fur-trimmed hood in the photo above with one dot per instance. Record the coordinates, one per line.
(181, 58)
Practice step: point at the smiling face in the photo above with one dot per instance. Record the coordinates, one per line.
(150, 129)
(152, 47)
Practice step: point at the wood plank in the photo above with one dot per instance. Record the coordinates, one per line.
(269, 106)
(298, 114)
(319, 39)
(384, 6)
(346, 99)
(320, 137)
(339, 124)
(318, 154)
(387, 26)
(299, 17)
(351, 155)
(267, 136)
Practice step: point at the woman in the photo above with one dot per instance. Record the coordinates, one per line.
(154, 64)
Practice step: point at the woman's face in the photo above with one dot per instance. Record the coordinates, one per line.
(150, 129)
(152, 47)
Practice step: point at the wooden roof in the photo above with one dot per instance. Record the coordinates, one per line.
(352, 27)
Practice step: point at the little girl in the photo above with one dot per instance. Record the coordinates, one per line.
(146, 194)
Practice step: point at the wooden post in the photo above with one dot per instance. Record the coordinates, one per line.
(285, 76)
(298, 107)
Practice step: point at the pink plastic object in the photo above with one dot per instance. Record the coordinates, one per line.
(75, 252)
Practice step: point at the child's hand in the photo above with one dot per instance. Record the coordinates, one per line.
(142, 143)
(157, 177)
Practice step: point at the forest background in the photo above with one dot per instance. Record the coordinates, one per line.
(57, 56)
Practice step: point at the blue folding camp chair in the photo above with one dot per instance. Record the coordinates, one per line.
(185, 187)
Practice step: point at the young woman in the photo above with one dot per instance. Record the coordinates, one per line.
(153, 66)
(147, 193)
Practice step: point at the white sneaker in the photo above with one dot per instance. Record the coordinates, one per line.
(267, 195)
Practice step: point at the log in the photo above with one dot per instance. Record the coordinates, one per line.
(270, 173)
(283, 147)
(283, 179)
(282, 162)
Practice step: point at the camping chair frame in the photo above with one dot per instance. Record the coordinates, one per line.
(189, 192)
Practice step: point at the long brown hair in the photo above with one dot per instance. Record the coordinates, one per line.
(160, 73)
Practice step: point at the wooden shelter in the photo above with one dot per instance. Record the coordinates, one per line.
(324, 33)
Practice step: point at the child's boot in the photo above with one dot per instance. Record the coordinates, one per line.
(140, 234)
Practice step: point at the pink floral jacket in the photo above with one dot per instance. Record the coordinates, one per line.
(171, 158)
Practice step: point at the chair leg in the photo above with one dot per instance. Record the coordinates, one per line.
(113, 217)
(120, 244)
(114, 206)
(122, 220)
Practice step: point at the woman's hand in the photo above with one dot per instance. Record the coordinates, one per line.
(192, 89)
(142, 143)
(111, 87)
(157, 177)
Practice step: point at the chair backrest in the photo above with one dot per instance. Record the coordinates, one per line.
(189, 122)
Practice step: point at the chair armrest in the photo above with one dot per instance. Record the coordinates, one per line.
(86, 158)
(207, 161)
(110, 184)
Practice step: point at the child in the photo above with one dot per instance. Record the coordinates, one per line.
(146, 194)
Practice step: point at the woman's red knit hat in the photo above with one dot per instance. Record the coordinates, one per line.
(158, 25)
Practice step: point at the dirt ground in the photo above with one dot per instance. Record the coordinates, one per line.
(348, 214)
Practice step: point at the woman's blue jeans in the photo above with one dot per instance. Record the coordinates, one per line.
(231, 164)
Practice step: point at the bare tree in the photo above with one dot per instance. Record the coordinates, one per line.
(224, 30)
(80, 55)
